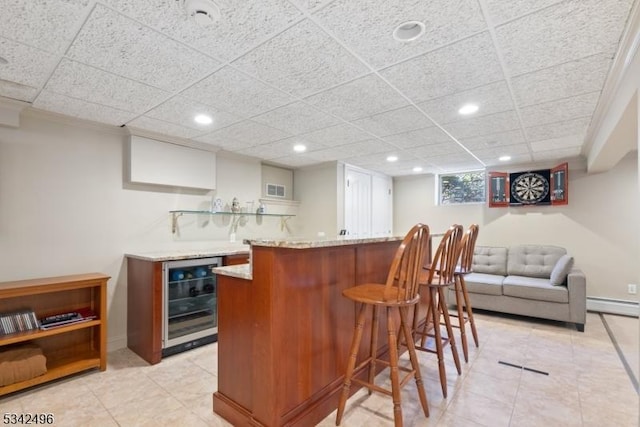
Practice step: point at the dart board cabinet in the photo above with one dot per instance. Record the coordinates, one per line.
(529, 188)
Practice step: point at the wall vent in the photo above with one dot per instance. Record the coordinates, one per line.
(276, 190)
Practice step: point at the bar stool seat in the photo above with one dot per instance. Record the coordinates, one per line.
(398, 294)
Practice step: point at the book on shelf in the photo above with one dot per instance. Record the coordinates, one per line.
(20, 321)
(67, 318)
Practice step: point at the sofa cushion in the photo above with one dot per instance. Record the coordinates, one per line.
(534, 288)
(480, 283)
(490, 260)
(533, 260)
(561, 270)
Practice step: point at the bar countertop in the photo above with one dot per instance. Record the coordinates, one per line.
(319, 242)
(216, 249)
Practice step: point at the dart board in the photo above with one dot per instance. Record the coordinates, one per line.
(530, 188)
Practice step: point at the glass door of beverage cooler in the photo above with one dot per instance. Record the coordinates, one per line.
(190, 304)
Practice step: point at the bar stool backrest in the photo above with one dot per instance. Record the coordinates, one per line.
(445, 259)
(402, 281)
(468, 245)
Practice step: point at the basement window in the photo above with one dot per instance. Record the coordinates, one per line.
(462, 188)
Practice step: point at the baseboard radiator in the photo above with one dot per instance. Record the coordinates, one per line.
(613, 306)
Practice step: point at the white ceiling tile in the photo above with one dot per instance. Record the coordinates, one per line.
(484, 125)
(500, 10)
(426, 136)
(558, 154)
(297, 118)
(247, 132)
(429, 151)
(182, 111)
(569, 30)
(26, 65)
(17, 91)
(113, 42)
(561, 110)
(302, 60)
(341, 134)
(559, 129)
(242, 24)
(57, 103)
(491, 98)
(458, 161)
(495, 163)
(569, 141)
(362, 97)
(237, 93)
(224, 141)
(99, 87)
(311, 4)
(395, 121)
(493, 140)
(295, 161)
(493, 153)
(45, 24)
(561, 81)
(274, 150)
(368, 147)
(461, 66)
(367, 26)
(160, 126)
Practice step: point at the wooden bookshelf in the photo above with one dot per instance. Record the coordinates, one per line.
(70, 348)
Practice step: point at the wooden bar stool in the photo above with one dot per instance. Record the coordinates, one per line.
(400, 292)
(437, 278)
(463, 303)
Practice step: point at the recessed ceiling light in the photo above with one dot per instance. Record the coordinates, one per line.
(408, 31)
(468, 109)
(417, 169)
(392, 158)
(203, 12)
(203, 119)
(504, 158)
(3, 61)
(299, 148)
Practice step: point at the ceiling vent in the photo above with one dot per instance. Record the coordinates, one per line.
(204, 12)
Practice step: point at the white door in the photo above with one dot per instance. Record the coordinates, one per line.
(381, 206)
(357, 203)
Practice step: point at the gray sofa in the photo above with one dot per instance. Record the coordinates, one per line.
(529, 280)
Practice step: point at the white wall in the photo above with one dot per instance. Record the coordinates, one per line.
(316, 188)
(65, 208)
(599, 227)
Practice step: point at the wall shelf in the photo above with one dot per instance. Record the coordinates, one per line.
(236, 216)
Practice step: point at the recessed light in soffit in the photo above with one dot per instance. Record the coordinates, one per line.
(408, 31)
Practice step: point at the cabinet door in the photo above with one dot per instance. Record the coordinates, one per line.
(498, 189)
(357, 203)
(381, 206)
(560, 184)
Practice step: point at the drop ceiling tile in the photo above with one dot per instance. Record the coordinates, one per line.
(500, 10)
(247, 132)
(224, 142)
(491, 98)
(26, 65)
(569, 141)
(368, 147)
(362, 97)
(493, 140)
(311, 4)
(376, 159)
(496, 164)
(121, 45)
(429, 151)
(567, 31)
(242, 24)
(461, 66)
(181, 111)
(561, 110)
(273, 150)
(100, 87)
(559, 129)
(297, 118)
(561, 81)
(426, 136)
(44, 24)
(485, 125)
(557, 155)
(301, 60)
(394, 121)
(296, 161)
(336, 135)
(397, 168)
(493, 153)
(456, 162)
(17, 91)
(160, 126)
(237, 93)
(57, 103)
(366, 26)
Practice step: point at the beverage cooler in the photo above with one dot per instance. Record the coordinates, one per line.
(190, 308)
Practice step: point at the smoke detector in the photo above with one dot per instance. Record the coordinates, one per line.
(203, 12)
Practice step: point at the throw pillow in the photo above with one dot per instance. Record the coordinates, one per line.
(561, 270)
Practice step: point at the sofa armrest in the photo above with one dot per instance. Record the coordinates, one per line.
(577, 285)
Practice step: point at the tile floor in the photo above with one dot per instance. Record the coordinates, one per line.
(587, 384)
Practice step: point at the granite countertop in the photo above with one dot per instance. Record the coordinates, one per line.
(216, 249)
(241, 271)
(319, 242)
